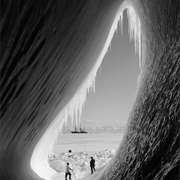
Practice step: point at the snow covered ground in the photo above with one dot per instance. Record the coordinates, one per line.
(79, 162)
(83, 147)
(87, 142)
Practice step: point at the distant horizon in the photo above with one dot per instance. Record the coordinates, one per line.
(103, 128)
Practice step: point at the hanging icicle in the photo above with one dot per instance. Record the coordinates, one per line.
(135, 31)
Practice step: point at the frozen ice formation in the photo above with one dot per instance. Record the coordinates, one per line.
(79, 161)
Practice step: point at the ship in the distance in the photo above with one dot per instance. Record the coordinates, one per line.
(81, 130)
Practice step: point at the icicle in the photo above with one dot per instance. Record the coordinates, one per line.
(121, 22)
(135, 31)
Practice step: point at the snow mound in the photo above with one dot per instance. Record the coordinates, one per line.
(79, 161)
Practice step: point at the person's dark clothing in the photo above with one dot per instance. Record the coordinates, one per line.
(66, 175)
(68, 172)
(92, 162)
(92, 165)
(92, 169)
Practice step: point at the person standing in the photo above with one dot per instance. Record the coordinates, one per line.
(92, 165)
(69, 154)
(68, 173)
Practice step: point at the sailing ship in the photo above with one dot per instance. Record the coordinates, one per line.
(81, 130)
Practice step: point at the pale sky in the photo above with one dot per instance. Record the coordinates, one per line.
(116, 84)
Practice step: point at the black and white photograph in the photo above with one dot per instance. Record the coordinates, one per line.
(89, 89)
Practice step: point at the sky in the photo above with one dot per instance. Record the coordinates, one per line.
(116, 84)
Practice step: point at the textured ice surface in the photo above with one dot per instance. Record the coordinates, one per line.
(79, 161)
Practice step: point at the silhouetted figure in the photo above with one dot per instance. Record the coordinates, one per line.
(92, 165)
(69, 153)
(68, 173)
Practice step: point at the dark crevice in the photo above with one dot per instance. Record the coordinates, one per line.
(17, 131)
(36, 52)
(15, 78)
(45, 101)
(8, 95)
(10, 61)
(31, 118)
(63, 88)
(34, 34)
(19, 90)
(8, 11)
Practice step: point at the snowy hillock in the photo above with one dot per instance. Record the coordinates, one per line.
(79, 161)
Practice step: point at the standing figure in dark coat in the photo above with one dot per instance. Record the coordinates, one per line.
(92, 165)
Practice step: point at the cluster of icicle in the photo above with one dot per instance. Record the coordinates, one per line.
(73, 109)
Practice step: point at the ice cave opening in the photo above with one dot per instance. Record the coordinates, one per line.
(120, 76)
(105, 113)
